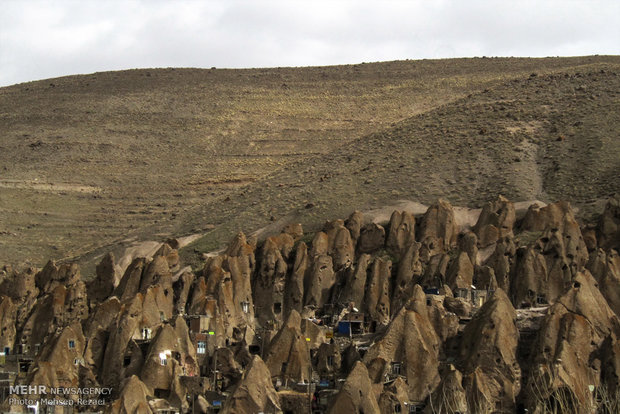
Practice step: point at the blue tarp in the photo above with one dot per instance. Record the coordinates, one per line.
(344, 327)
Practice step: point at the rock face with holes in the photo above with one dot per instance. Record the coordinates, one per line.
(394, 397)
(268, 287)
(529, 277)
(254, 393)
(62, 302)
(356, 395)
(288, 355)
(460, 274)
(501, 262)
(605, 267)
(408, 274)
(354, 224)
(340, 244)
(371, 239)
(52, 276)
(60, 359)
(488, 355)
(159, 329)
(327, 359)
(495, 221)
(439, 224)
(561, 241)
(468, 243)
(545, 268)
(8, 315)
(133, 398)
(225, 293)
(170, 355)
(409, 347)
(17, 300)
(449, 396)
(139, 319)
(444, 321)
(241, 263)
(434, 274)
(21, 286)
(566, 357)
(97, 332)
(106, 279)
(295, 279)
(377, 298)
(319, 281)
(355, 282)
(141, 274)
(181, 288)
(401, 233)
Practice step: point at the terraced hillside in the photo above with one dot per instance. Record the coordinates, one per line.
(543, 137)
(94, 161)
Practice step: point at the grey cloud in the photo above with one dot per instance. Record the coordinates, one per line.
(40, 39)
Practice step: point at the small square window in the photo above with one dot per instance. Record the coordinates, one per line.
(202, 347)
(71, 344)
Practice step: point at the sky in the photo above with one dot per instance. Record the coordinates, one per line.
(46, 39)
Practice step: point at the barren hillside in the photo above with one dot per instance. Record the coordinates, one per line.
(546, 137)
(90, 161)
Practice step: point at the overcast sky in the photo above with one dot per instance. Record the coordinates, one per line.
(44, 39)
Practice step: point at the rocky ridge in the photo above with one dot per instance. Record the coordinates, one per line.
(509, 314)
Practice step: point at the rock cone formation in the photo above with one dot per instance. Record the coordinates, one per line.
(417, 314)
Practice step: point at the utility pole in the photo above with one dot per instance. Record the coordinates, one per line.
(215, 369)
(309, 376)
(309, 394)
(215, 351)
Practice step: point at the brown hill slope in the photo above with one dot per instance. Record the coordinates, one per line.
(545, 137)
(89, 161)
